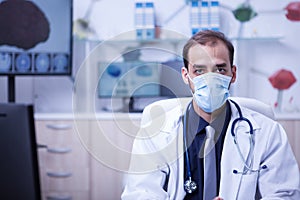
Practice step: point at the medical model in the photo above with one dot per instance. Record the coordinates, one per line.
(211, 146)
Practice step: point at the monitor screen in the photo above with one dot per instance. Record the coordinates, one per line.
(142, 79)
(35, 37)
(172, 84)
(129, 79)
(18, 154)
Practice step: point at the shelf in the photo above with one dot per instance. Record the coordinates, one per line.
(133, 41)
(257, 38)
(175, 41)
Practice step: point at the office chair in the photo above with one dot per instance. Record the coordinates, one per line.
(160, 107)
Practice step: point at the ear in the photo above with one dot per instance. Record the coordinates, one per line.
(184, 74)
(233, 70)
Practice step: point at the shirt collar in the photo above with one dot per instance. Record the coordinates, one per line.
(221, 120)
(197, 123)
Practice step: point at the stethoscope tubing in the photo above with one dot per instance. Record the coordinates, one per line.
(185, 119)
(247, 168)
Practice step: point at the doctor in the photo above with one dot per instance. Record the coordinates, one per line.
(252, 156)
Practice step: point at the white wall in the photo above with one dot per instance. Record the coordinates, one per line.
(276, 45)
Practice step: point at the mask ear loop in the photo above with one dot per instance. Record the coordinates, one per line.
(188, 83)
(185, 79)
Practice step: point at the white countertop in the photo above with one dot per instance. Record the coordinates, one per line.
(101, 116)
(132, 116)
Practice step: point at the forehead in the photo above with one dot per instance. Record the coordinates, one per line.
(210, 51)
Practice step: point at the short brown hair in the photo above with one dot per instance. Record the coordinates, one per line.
(203, 38)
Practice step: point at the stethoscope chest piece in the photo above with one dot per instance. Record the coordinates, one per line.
(190, 186)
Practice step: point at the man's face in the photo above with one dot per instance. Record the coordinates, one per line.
(203, 59)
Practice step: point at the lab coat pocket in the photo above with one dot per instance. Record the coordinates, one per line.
(248, 186)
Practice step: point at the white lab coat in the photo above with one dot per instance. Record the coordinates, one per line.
(158, 150)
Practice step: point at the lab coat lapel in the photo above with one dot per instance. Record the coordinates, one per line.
(175, 135)
(231, 160)
(230, 182)
(179, 178)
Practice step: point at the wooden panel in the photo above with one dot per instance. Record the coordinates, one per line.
(107, 175)
(54, 195)
(292, 128)
(63, 160)
(65, 179)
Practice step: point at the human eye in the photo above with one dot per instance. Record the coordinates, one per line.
(199, 70)
(222, 69)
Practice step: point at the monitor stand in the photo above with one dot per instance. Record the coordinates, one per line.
(11, 88)
(131, 106)
(126, 105)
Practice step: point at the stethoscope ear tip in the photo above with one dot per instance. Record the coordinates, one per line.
(235, 171)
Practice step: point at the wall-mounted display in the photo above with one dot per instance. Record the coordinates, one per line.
(36, 37)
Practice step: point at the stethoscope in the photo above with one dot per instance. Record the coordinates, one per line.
(190, 185)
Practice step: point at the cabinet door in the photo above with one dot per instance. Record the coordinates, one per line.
(64, 162)
(292, 128)
(111, 144)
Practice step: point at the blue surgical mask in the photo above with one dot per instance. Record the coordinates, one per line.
(211, 90)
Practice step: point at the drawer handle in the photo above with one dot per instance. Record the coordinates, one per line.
(59, 150)
(54, 150)
(59, 174)
(59, 126)
(42, 146)
(59, 198)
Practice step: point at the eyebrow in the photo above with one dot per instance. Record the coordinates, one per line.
(198, 66)
(221, 65)
(203, 66)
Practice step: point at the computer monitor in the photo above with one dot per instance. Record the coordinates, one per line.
(128, 79)
(19, 177)
(131, 80)
(141, 79)
(172, 84)
(36, 37)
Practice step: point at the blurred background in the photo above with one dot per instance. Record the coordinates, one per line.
(264, 37)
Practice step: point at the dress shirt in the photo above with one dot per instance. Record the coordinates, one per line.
(195, 140)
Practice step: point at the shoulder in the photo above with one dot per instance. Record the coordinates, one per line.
(254, 105)
(260, 115)
(168, 108)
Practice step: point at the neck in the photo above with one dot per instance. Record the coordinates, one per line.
(209, 117)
